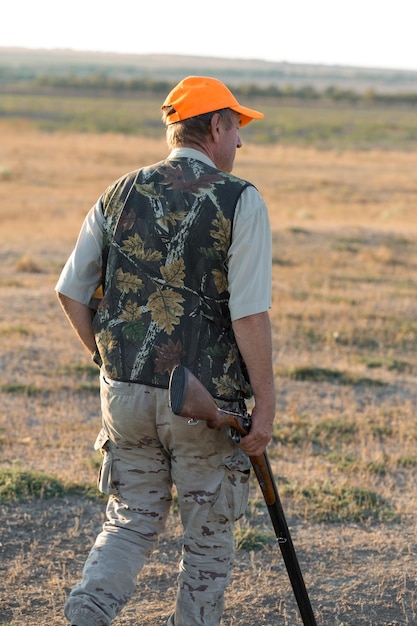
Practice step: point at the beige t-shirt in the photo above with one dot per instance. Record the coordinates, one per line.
(249, 262)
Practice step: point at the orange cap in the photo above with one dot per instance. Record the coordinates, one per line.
(196, 95)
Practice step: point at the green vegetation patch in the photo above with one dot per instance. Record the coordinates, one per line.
(87, 388)
(18, 485)
(5, 173)
(323, 374)
(20, 388)
(390, 364)
(349, 463)
(407, 461)
(325, 503)
(251, 536)
(336, 429)
(343, 462)
(80, 369)
(293, 431)
(399, 335)
(327, 431)
(16, 329)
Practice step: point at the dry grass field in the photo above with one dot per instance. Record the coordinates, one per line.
(345, 333)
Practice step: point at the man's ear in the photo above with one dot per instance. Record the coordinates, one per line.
(215, 126)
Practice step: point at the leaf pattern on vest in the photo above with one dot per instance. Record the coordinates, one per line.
(125, 281)
(166, 309)
(167, 233)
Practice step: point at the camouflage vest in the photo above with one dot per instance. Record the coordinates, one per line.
(167, 235)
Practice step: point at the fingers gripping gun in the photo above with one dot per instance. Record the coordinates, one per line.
(190, 399)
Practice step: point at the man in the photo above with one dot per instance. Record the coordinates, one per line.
(182, 249)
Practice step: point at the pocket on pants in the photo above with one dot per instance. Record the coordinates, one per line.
(107, 480)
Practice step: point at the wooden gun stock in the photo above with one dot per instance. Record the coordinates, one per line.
(190, 399)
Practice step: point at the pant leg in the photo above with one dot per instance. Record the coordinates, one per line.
(211, 475)
(136, 475)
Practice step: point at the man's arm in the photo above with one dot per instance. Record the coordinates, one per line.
(80, 317)
(253, 336)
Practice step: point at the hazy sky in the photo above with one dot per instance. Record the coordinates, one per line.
(364, 33)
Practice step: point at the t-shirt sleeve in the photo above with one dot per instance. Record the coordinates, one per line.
(82, 273)
(250, 257)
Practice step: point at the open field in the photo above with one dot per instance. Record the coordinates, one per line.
(323, 124)
(345, 332)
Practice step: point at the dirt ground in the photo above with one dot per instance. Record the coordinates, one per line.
(355, 575)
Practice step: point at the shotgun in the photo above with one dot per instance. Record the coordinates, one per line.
(190, 399)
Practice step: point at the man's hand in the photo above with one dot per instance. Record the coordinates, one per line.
(260, 434)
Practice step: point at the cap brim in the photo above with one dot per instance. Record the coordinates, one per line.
(246, 114)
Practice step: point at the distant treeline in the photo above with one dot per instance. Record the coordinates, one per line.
(100, 82)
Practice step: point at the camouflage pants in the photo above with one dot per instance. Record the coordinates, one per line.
(146, 449)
